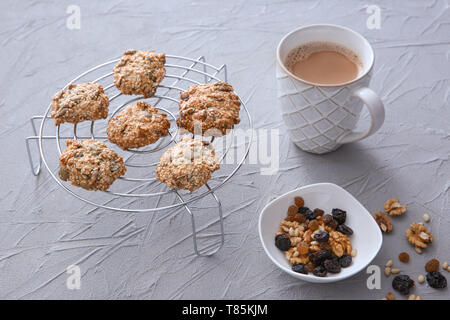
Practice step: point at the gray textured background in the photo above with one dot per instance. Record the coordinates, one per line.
(125, 255)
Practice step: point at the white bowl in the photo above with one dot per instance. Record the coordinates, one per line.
(367, 237)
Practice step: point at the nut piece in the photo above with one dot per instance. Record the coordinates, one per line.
(383, 221)
(418, 250)
(418, 235)
(390, 296)
(432, 265)
(395, 271)
(421, 279)
(340, 243)
(404, 257)
(394, 208)
(412, 297)
(445, 265)
(426, 217)
(387, 271)
(418, 298)
(389, 263)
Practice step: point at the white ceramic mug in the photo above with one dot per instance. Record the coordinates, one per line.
(320, 118)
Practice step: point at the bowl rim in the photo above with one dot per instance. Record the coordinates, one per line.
(308, 277)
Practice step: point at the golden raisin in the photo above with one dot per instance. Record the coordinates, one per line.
(299, 218)
(432, 265)
(313, 225)
(403, 257)
(299, 202)
(303, 248)
(292, 211)
(319, 212)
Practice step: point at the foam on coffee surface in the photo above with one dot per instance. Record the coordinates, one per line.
(305, 50)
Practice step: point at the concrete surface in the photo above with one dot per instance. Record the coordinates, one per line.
(43, 229)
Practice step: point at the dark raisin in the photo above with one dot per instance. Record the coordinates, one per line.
(436, 280)
(300, 268)
(403, 283)
(318, 257)
(343, 228)
(329, 221)
(319, 271)
(332, 265)
(345, 260)
(310, 215)
(283, 242)
(321, 236)
(339, 215)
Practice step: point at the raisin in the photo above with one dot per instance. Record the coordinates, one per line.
(403, 283)
(292, 211)
(313, 225)
(299, 218)
(318, 257)
(345, 260)
(332, 265)
(303, 248)
(403, 257)
(339, 215)
(283, 242)
(343, 228)
(319, 271)
(299, 202)
(432, 265)
(310, 215)
(436, 280)
(329, 221)
(300, 268)
(318, 212)
(322, 236)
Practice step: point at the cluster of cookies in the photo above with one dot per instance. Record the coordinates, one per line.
(207, 110)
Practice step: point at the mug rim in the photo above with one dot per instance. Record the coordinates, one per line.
(281, 64)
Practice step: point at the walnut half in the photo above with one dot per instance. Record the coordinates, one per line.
(394, 208)
(383, 221)
(418, 235)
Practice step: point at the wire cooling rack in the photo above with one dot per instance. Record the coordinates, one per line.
(139, 190)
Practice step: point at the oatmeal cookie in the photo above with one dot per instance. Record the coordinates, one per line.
(137, 125)
(188, 164)
(90, 164)
(80, 102)
(212, 107)
(139, 72)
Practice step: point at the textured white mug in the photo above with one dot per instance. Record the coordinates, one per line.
(320, 118)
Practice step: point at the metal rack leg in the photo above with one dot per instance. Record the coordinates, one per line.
(34, 169)
(205, 252)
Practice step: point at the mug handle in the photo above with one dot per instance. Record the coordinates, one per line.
(376, 110)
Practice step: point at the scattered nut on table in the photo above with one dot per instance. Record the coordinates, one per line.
(383, 221)
(394, 208)
(421, 279)
(418, 235)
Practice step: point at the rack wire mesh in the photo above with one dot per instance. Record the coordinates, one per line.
(182, 73)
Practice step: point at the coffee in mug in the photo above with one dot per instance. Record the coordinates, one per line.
(324, 63)
(323, 73)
